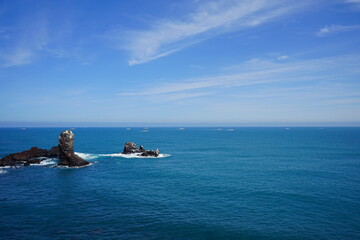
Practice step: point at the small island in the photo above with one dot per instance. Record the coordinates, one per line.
(130, 148)
(64, 151)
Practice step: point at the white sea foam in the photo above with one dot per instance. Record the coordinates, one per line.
(88, 156)
(46, 162)
(134, 155)
(2, 171)
(58, 166)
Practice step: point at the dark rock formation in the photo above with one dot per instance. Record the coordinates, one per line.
(142, 149)
(150, 153)
(32, 156)
(66, 151)
(131, 147)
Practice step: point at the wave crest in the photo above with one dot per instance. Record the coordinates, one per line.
(46, 162)
(67, 167)
(88, 156)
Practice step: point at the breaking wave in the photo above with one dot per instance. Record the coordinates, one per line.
(46, 162)
(88, 156)
(134, 155)
(58, 166)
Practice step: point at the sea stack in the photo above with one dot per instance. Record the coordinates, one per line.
(67, 157)
(131, 147)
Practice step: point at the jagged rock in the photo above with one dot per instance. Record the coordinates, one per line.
(142, 149)
(150, 153)
(131, 147)
(31, 156)
(66, 151)
(54, 152)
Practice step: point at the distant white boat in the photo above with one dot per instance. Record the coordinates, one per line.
(145, 130)
(230, 130)
(181, 128)
(219, 129)
(287, 128)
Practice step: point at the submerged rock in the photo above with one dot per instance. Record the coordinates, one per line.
(31, 156)
(66, 151)
(131, 147)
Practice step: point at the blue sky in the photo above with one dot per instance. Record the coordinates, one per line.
(180, 62)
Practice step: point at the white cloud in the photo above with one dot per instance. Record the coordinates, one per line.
(178, 96)
(25, 43)
(37, 35)
(17, 57)
(356, 3)
(327, 30)
(282, 58)
(167, 36)
(260, 72)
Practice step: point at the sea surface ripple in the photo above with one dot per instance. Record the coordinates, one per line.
(247, 183)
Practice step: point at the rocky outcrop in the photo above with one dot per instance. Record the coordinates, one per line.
(151, 153)
(64, 151)
(131, 147)
(32, 156)
(67, 157)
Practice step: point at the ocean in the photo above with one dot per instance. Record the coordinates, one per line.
(210, 183)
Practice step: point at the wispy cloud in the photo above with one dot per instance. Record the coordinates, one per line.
(355, 3)
(24, 43)
(282, 58)
(178, 96)
(327, 30)
(38, 35)
(261, 73)
(167, 36)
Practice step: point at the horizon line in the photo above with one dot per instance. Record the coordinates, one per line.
(29, 124)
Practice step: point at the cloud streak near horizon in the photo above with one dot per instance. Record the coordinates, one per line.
(167, 36)
(260, 72)
(327, 30)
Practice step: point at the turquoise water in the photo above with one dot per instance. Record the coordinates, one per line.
(250, 183)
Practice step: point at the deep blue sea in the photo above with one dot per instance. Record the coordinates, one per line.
(249, 183)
